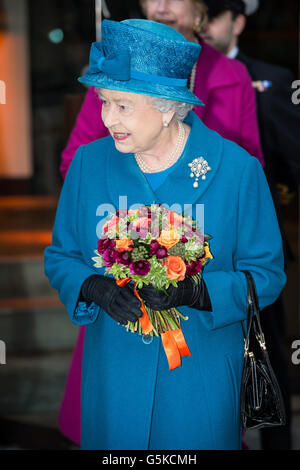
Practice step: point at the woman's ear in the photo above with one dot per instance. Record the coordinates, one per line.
(167, 117)
(239, 25)
(197, 24)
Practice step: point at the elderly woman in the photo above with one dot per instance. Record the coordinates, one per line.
(222, 84)
(129, 398)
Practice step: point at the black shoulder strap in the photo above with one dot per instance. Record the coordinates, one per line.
(253, 315)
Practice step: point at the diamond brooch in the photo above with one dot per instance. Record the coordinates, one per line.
(199, 167)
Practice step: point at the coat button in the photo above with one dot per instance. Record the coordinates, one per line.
(147, 339)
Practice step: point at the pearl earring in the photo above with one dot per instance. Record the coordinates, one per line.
(165, 124)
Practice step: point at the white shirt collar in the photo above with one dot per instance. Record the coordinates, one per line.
(233, 53)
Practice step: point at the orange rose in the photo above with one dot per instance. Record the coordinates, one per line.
(124, 244)
(168, 238)
(176, 267)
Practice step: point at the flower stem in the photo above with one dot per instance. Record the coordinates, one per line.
(181, 316)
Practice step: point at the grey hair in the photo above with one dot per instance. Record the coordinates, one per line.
(163, 105)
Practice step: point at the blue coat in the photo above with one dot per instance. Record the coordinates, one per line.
(130, 399)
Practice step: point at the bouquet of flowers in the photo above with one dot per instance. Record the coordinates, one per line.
(154, 245)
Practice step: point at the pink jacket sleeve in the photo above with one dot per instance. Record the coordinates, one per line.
(88, 127)
(249, 137)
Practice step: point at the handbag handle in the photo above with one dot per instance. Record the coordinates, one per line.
(253, 315)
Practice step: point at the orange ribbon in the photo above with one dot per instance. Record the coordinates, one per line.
(173, 341)
(181, 343)
(171, 349)
(175, 347)
(144, 319)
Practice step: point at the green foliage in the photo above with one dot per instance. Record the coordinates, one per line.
(193, 250)
(139, 253)
(177, 250)
(99, 261)
(119, 271)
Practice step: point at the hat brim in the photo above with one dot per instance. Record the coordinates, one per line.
(137, 86)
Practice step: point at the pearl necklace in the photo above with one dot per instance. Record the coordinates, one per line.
(171, 158)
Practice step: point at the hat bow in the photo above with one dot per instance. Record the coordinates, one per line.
(115, 66)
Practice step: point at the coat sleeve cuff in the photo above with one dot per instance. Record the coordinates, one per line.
(85, 313)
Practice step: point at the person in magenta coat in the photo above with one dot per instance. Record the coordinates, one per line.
(225, 88)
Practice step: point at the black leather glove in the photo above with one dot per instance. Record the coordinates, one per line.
(119, 302)
(187, 293)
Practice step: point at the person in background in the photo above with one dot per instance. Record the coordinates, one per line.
(279, 122)
(223, 85)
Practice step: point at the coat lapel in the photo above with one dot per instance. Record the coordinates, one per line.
(126, 179)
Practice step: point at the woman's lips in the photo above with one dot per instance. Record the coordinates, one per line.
(120, 136)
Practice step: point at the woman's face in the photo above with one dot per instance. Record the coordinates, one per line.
(179, 14)
(132, 121)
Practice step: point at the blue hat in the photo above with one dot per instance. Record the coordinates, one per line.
(141, 56)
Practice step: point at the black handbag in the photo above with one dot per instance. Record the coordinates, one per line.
(261, 403)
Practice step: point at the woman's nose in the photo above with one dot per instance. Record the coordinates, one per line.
(109, 116)
(162, 5)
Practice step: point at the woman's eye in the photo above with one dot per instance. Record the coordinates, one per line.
(124, 108)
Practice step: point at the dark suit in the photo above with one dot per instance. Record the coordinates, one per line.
(279, 122)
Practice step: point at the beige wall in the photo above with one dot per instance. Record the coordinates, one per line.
(15, 112)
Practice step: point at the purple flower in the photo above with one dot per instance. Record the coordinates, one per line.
(140, 268)
(193, 267)
(183, 239)
(105, 243)
(158, 250)
(145, 212)
(123, 257)
(109, 257)
(154, 245)
(143, 232)
(161, 252)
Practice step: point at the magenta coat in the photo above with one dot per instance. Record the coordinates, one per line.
(225, 88)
